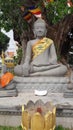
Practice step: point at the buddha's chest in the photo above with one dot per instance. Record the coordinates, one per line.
(42, 58)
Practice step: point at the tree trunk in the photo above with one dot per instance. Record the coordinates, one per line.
(64, 27)
(25, 37)
(60, 31)
(23, 40)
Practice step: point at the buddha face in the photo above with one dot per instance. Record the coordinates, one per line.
(40, 29)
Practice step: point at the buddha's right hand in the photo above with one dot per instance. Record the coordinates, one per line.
(26, 69)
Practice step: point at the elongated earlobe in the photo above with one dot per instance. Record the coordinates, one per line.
(45, 32)
(34, 33)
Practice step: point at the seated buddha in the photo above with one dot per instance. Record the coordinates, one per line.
(41, 57)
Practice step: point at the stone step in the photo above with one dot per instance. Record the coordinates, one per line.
(51, 88)
(8, 93)
(12, 116)
(15, 120)
(42, 79)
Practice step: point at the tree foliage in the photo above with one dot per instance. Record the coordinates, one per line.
(11, 17)
(56, 11)
(17, 58)
(3, 42)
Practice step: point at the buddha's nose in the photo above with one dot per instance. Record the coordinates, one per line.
(40, 31)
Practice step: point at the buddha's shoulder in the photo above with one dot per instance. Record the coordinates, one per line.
(32, 41)
(50, 40)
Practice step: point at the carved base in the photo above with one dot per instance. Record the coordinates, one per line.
(68, 94)
(8, 93)
(51, 84)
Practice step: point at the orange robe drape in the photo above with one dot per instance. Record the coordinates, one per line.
(5, 79)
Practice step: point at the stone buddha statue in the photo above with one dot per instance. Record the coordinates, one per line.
(41, 58)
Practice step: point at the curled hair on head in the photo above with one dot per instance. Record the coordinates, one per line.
(39, 20)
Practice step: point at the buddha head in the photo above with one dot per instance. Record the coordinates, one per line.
(39, 28)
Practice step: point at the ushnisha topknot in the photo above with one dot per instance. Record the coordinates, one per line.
(39, 21)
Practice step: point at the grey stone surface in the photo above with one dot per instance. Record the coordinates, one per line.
(57, 99)
(8, 120)
(65, 122)
(51, 84)
(68, 93)
(12, 120)
(51, 88)
(23, 98)
(26, 86)
(42, 79)
(71, 77)
(55, 87)
(8, 93)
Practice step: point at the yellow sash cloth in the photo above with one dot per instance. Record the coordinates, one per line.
(41, 46)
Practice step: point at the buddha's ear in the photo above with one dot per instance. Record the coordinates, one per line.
(34, 32)
(45, 31)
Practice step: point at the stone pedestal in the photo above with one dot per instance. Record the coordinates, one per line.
(10, 107)
(69, 91)
(8, 93)
(68, 94)
(51, 84)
